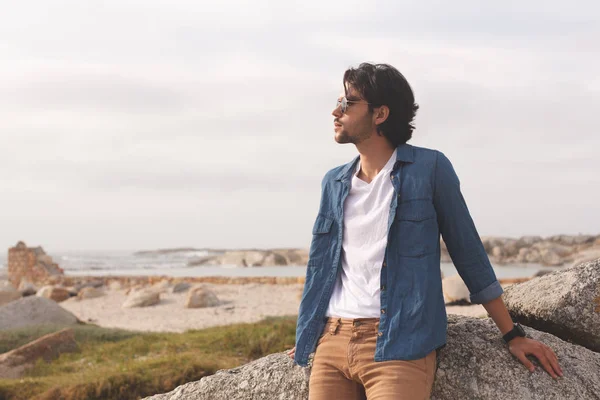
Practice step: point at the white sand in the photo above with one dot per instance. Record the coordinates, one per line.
(240, 303)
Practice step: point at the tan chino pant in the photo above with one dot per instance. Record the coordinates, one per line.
(344, 367)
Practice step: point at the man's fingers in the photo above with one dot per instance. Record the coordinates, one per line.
(543, 359)
(291, 352)
(553, 361)
(525, 361)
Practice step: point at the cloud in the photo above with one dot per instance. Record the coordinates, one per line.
(213, 118)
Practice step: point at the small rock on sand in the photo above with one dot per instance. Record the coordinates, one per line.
(142, 298)
(200, 296)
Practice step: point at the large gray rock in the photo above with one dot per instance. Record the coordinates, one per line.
(274, 377)
(565, 303)
(475, 364)
(34, 310)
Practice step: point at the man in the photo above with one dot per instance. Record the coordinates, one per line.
(372, 310)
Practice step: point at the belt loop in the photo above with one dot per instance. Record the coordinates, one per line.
(333, 328)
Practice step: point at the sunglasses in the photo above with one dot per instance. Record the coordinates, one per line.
(343, 103)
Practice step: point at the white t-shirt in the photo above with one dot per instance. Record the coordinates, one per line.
(366, 212)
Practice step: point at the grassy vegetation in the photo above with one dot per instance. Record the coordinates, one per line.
(118, 364)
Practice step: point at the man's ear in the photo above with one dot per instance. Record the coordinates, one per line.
(381, 114)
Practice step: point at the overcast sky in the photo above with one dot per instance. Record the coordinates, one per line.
(153, 124)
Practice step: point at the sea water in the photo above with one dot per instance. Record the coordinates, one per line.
(120, 263)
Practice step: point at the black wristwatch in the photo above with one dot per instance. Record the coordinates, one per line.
(516, 331)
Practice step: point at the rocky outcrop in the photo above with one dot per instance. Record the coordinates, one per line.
(14, 363)
(200, 297)
(551, 251)
(31, 264)
(565, 303)
(255, 258)
(475, 364)
(34, 310)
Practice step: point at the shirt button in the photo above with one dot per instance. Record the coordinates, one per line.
(379, 333)
(384, 264)
(382, 287)
(382, 311)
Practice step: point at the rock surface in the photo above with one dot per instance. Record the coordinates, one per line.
(14, 363)
(478, 368)
(33, 310)
(274, 377)
(565, 303)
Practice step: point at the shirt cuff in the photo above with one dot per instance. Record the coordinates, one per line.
(488, 294)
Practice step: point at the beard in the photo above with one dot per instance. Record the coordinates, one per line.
(343, 136)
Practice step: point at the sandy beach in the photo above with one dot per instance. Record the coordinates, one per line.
(239, 303)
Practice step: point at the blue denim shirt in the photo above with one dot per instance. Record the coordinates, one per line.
(427, 202)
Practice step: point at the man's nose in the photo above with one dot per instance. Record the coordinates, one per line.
(337, 111)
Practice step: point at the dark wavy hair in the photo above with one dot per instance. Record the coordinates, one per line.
(382, 84)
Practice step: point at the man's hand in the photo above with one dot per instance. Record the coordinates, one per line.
(291, 353)
(520, 347)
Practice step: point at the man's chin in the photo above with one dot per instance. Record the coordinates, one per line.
(342, 139)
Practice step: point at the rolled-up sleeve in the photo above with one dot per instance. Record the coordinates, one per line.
(460, 235)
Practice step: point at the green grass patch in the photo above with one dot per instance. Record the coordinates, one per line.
(119, 364)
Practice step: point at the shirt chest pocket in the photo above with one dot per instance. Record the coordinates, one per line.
(321, 240)
(417, 229)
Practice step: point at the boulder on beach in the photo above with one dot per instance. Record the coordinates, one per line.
(565, 303)
(199, 297)
(163, 286)
(481, 367)
(95, 283)
(34, 310)
(14, 363)
(55, 293)
(27, 288)
(142, 298)
(181, 287)
(90, 293)
(454, 289)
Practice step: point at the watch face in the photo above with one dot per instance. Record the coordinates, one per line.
(520, 329)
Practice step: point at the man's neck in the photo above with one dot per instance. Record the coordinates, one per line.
(373, 157)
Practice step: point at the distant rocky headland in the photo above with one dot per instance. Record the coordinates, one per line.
(558, 250)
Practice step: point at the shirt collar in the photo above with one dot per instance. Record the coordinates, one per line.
(404, 153)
